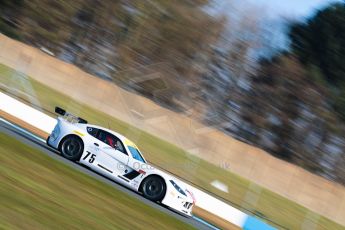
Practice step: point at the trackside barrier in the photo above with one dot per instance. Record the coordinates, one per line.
(217, 207)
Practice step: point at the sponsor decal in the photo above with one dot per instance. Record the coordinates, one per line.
(131, 175)
(130, 143)
(78, 133)
(141, 172)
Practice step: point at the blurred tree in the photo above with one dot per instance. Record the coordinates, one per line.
(48, 23)
(227, 80)
(95, 25)
(10, 5)
(321, 41)
(108, 37)
(10, 11)
(176, 34)
(292, 116)
(320, 44)
(278, 90)
(167, 31)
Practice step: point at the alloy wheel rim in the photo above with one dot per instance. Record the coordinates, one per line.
(71, 147)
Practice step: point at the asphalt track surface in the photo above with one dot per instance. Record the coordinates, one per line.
(29, 139)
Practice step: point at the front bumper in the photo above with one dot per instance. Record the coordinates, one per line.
(179, 203)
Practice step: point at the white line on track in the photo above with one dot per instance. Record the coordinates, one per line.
(22, 130)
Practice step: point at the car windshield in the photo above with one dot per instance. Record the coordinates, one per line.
(136, 154)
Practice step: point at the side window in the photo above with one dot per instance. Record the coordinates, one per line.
(120, 146)
(92, 131)
(102, 136)
(111, 140)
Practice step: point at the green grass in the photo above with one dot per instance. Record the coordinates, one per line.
(38, 192)
(161, 153)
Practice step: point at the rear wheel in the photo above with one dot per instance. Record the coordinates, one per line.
(72, 148)
(154, 188)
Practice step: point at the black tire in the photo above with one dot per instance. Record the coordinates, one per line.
(72, 148)
(154, 188)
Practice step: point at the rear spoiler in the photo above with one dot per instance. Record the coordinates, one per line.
(70, 117)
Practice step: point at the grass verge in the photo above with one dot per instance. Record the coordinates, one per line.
(270, 206)
(38, 192)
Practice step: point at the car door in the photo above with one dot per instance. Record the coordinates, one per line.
(112, 157)
(92, 156)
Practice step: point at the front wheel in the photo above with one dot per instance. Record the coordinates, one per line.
(72, 148)
(154, 188)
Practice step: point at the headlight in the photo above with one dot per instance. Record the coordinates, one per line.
(177, 188)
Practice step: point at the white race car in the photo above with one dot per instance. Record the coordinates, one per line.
(117, 158)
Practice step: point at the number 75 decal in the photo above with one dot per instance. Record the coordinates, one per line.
(92, 157)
